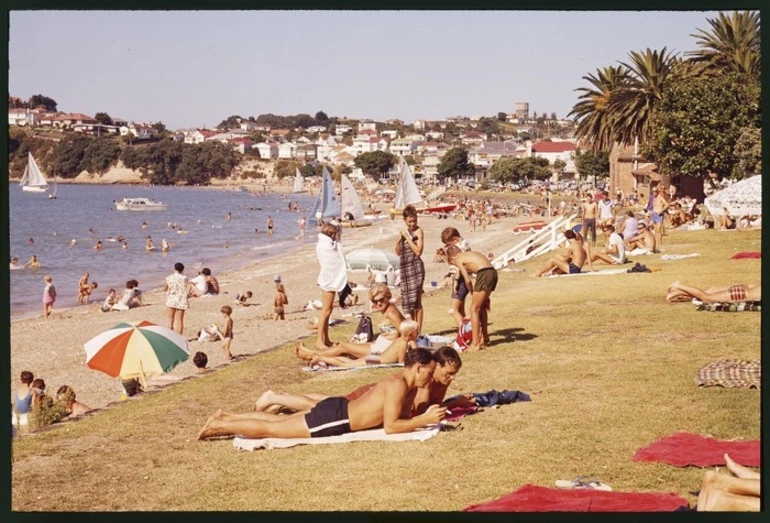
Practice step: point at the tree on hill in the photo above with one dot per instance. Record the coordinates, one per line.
(375, 164)
(39, 101)
(304, 121)
(509, 169)
(455, 164)
(231, 122)
(103, 118)
(321, 118)
(501, 116)
(589, 164)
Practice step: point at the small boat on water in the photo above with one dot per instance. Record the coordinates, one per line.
(439, 209)
(299, 184)
(407, 192)
(33, 179)
(140, 204)
(327, 205)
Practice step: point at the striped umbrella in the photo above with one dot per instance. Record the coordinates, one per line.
(136, 351)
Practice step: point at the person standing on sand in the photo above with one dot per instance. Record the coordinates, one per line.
(270, 225)
(176, 298)
(49, 296)
(409, 247)
(332, 278)
(301, 223)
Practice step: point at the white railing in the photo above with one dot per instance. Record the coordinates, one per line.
(436, 193)
(550, 236)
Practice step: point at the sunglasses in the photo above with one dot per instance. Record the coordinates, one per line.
(379, 301)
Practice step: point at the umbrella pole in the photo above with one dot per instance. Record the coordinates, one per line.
(142, 379)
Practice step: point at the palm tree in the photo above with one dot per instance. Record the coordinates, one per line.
(632, 102)
(732, 45)
(595, 121)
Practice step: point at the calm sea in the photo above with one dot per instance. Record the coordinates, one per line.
(86, 213)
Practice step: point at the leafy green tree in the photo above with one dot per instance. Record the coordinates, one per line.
(509, 169)
(501, 117)
(591, 164)
(103, 118)
(698, 122)
(285, 168)
(553, 116)
(159, 128)
(321, 118)
(488, 126)
(304, 121)
(375, 164)
(311, 169)
(455, 164)
(39, 101)
(748, 153)
(100, 154)
(558, 166)
(732, 45)
(231, 122)
(67, 158)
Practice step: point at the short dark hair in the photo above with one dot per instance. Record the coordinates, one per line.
(226, 309)
(27, 377)
(449, 234)
(38, 383)
(610, 227)
(206, 271)
(200, 360)
(409, 212)
(418, 356)
(447, 355)
(452, 251)
(179, 266)
(569, 234)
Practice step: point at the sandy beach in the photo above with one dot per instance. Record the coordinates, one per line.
(53, 349)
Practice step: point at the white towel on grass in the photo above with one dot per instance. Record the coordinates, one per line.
(322, 367)
(362, 435)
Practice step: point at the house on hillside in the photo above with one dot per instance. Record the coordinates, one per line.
(553, 151)
(267, 151)
(389, 133)
(488, 153)
(368, 144)
(196, 136)
(473, 138)
(403, 146)
(316, 129)
(249, 126)
(279, 133)
(67, 120)
(306, 151)
(341, 129)
(23, 117)
(367, 125)
(241, 144)
(287, 150)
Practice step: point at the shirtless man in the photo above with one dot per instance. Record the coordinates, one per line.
(382, 406)
(270, 225)
(733, 294)
(148, 245)
(659, 206)
(570, 262)
(448, 364)
(472, 262)
(589, 211)
(644, 240)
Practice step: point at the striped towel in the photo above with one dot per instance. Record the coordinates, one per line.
(731, 374)
(729, 307)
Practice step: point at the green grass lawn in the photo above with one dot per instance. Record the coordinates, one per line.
(610, 367)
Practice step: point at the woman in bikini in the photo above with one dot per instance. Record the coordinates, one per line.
(678, 292)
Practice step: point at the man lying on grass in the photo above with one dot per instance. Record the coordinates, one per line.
(448, 364)
(381, 406)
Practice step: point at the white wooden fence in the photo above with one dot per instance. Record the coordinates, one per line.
(546, 239)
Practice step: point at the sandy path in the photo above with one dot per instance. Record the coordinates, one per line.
(53, 350)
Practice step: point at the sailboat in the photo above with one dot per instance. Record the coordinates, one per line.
(52, 196)
(33, 179)
(407, 192)
(350, 204)
(299, 184)
(327, 205)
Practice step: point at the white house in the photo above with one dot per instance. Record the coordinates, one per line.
(390, 133)
(241, 144)
(368, 144)
(403, 146)
(306, 151)
(266, 150)
(287, 150)
(473, 138)
(249, 126)
(364, 125)
(22, 117)
(415, 137)
(553, 151)
(316, 129)
(196, 136)
(434, 135)
(489, 152)
(341, 129)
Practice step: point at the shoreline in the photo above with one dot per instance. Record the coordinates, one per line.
(53, 349)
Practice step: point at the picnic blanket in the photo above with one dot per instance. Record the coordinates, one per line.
(679, 256)
(740, 306)
(362, 435)
(683, 449)
(533, 498)
(321, 367)
(730, 374)
(591, 273)
(747, 254)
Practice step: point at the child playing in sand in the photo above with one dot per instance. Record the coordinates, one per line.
(227, 334)
(49, 296)
(242, 299)
(279, 301)
(83, 288)
(109, 301)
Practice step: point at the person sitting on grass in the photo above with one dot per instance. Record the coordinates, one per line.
(738, 492)
(678, 292)
(615, 252)
(380, 295)
(644, 240)
(395, 353)
(67, 401)
(571, 261)
(384, 405)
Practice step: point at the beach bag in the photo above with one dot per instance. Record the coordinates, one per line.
(364, 331)
(464, 335)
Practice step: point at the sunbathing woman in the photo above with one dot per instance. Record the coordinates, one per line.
(733, 294)
(380, 296)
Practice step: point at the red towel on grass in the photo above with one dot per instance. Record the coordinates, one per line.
(531, 498)
(683, 449)
(747, 254)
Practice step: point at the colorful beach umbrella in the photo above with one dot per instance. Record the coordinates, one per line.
(370, 258)
(136, 351)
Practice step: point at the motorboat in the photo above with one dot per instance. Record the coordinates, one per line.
(140, 204)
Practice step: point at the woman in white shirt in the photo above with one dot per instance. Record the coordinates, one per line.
(332, 278)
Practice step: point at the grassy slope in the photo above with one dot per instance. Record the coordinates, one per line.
(609, 365)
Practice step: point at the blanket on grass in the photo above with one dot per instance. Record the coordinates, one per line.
(362, 435)
(740, 306)
(731, 374)
(532, 498)
(747, 254)
(603, 272)
(683, 449)
(321, 366)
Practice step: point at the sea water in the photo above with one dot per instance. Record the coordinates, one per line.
(86, 213)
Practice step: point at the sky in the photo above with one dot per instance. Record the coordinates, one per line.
(196, 68)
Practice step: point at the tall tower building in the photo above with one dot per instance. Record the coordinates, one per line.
(522, 110)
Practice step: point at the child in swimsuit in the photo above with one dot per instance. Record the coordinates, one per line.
(49, 296)
(279, 302)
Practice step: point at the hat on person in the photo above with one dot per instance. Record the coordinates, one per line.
(643, 223)
(277, 278)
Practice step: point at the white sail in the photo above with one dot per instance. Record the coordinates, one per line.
(407, 192)
(33, 179)
(299, 184)
(349, 200)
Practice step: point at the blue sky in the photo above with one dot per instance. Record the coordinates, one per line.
(195, 68)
